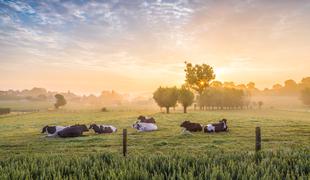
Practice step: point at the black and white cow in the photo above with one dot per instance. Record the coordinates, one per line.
(191, 127)
(140, 126)
(73, 131)
(52, 131)
(217, 127)
(103, 129)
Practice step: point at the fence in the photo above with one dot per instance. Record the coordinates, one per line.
(257, 140)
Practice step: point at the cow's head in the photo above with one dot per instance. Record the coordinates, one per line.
(49, 129)
(136, 125)
(92, 126)
(83, 127)
(224, 121)
(44, 129)
(185, 123)
(141, 118)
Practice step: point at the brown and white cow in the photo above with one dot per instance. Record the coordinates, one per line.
(192, 127)
(144, 119)
(103, 129)
(52, 131)
(216, 127)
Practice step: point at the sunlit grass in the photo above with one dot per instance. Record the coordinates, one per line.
(280, 129)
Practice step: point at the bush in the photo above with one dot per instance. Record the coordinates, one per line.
(104, 109)
(60, 101)
(5, 111)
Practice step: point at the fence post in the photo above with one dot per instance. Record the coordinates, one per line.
(124, 142)
(257, 139)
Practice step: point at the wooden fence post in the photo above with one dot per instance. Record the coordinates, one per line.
(257, 139)
(124, 142)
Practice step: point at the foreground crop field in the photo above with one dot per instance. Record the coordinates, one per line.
(214, 165)
(280, 129)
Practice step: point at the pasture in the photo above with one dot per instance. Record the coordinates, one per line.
(25, 153)
(281, 129)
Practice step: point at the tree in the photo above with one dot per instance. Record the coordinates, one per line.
(260, 104)
(305, 96)
(216, 84)
(60, 101)
(166, 97)
(247, 98)
(229, 84)
(186, 98)
(198, 77)
(290, 87)
(251, 86)
(305, 83)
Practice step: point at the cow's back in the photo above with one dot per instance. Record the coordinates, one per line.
(148, 126)
(194, 127)
(70, 132)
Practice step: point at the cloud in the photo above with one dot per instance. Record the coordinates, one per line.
(151, 38)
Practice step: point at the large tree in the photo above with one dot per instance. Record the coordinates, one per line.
(166, 97)
(198, 77)
(186, 98)
(305, 96)
(60, 101)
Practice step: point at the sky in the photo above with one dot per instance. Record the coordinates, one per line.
(134, 46)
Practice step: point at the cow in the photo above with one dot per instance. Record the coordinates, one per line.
(102, 129)
(140, 126)
(52, 131)
(216, 127)
(191, 127)
(144, 119)
(73, 131)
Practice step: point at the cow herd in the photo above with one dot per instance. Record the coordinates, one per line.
(143, 124)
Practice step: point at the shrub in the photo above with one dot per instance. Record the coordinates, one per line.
(5, 110)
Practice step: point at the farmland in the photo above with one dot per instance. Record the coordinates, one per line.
(280, 129)
(284, 133)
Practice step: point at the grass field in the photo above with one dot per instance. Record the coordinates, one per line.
(280, 129)
(163, 154)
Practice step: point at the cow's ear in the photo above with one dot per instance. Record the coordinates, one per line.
(44, 129)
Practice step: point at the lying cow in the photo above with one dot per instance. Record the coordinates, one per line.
(144, 119)
(216, 127)
(140, 126)
(191, 127)
(73, 131)
(52, 131)
(102, 129)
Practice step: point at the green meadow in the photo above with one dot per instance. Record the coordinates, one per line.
(168, 153)
(21, 133)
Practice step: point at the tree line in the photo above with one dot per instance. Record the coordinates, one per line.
(210, 94)
(198, 78)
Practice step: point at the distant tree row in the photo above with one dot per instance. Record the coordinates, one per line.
(210, 94)
(167, 97)
(289, 88)
(219, 98)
